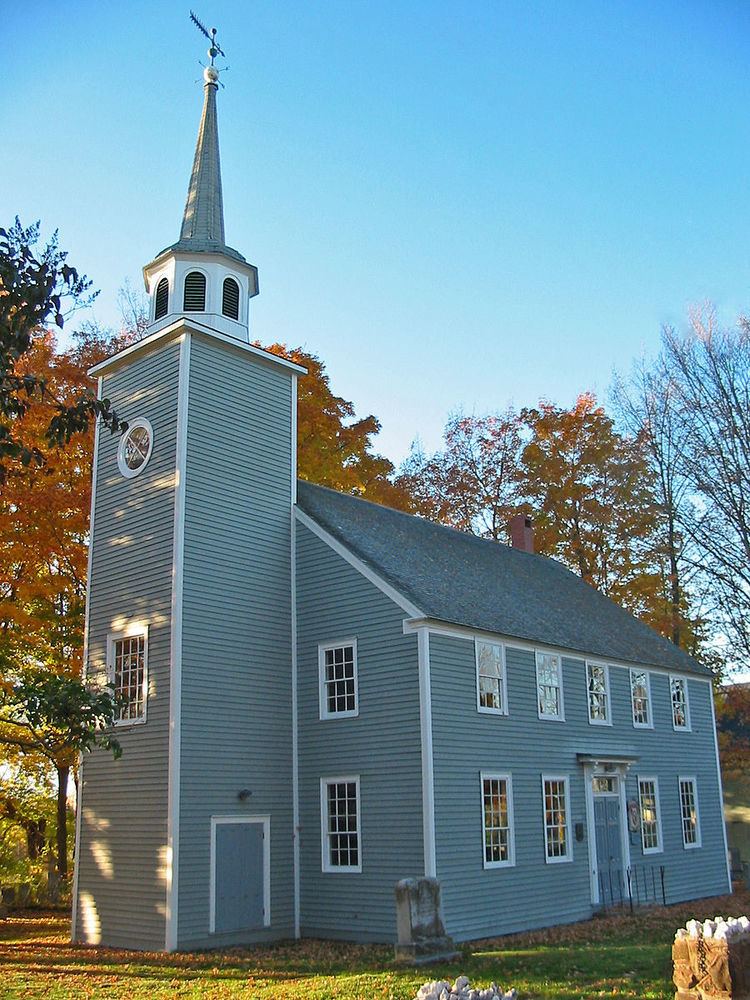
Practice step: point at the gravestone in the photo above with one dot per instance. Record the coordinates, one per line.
(419, 922)
(711, 968)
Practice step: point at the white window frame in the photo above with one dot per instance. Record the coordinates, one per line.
(659, 849)
(503, 687)
(324, 843)
(322, 692)
(508, 779)
(650, 723)
(683, 681)
(560, 717)
(221, 820)
(568, 856)
(129, 632)
(698, 838)
(607, 698)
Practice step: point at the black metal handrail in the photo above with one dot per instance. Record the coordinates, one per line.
(638, 885)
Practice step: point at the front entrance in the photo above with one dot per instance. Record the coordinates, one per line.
(239, 873)
(608, 832)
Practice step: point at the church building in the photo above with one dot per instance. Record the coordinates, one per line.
(321, 696)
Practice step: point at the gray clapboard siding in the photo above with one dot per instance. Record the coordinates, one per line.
(381, 745)
(236, 651)
(124, 803)
(481, 902)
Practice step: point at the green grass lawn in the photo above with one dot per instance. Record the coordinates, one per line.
(615, 956)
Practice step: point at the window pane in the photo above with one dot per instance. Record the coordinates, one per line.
(339, 679)
(649, 815)
(496, 820)
(490, 668)
(129, 676)
(689, 812)
(679, 702)
(548, 683)
(555, 818)
(597, 685)
(343, 836)
(639, 694)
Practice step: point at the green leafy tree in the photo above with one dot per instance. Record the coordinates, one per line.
(56, 717)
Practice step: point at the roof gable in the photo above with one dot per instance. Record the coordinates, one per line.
(459, 578)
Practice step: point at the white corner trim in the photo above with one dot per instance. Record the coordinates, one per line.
(86, 626)
(295, 722)
(175, 652)
(346, 554)
(720, 783)
(428, 774)
(221, 821)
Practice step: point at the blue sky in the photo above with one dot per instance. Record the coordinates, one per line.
(455, 205)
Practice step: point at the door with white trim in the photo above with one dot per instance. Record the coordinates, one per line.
(608, 832)
(239, 874)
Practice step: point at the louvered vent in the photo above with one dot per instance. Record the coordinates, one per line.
(195, 292)
(230, 302)
(161, 306)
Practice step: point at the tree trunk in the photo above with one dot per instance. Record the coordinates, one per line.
(62, 820)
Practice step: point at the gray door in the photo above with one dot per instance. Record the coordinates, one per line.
(608, 833)
(238, 885)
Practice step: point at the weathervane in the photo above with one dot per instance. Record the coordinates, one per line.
(211, 72)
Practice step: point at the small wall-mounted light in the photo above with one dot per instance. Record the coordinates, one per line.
(244, 794)
(579, 832)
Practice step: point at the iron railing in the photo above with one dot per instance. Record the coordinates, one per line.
(638, 885)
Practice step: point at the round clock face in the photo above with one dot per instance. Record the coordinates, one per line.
(135, 447)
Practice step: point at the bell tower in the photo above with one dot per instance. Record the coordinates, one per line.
(188, 840)
(199, 276)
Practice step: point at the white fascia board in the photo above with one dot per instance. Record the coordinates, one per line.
(398, 598)
(168, 333)
(456, 631)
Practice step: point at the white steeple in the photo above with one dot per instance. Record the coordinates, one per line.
(200, 276)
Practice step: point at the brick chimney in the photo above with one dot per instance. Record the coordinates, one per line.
(522, 533)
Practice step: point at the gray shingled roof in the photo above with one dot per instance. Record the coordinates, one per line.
(458, 578)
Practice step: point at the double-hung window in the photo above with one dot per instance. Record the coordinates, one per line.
(680, 707)
(337, 665)
(691, 830)
(549, 686)
(497, 820)
(648, 796)
(597, 684)
(340, 834)
(491, 683)
(555, 800)
(640, 697)
(127, 671)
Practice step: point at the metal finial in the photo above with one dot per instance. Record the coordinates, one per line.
(211, 74)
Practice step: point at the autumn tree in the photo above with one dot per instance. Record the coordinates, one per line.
(334, 447)
(37, 288)
(44, 515)
(591, 491)
(473, 483)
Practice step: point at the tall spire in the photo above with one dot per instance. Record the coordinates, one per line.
(203, 220)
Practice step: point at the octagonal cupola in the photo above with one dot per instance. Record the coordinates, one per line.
(200, 277)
